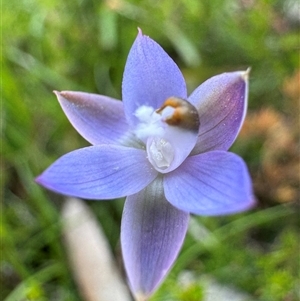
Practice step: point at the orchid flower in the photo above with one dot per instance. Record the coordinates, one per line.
(163, 150)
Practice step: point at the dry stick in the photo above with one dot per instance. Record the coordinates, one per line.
(92, 262)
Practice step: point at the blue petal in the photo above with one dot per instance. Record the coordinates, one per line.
(213, 183)
(99, 172)
(152, 234)
(97, 118)
(222, 104)
(150, 77)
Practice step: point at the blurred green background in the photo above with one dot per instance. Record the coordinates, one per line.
(83, 45)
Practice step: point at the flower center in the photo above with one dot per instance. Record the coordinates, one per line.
(169, 132)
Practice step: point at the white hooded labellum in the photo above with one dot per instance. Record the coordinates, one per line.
(151, 149)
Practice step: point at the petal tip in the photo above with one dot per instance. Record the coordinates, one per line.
(253, 203)
(141, 297)
(140, 32)
(245, 74)
(141, 36)
(59, 94)
(70, 96)
(40, 181)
